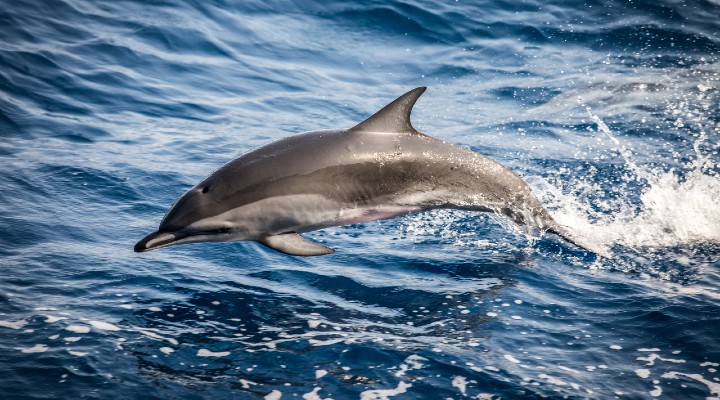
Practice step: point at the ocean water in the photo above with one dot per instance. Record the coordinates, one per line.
(109, 111)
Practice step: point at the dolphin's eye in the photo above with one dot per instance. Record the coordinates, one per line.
(205, 190)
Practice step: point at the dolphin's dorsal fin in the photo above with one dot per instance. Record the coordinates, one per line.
(394, 117)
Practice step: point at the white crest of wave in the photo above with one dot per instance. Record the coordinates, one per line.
(675, 207)
(674, 211)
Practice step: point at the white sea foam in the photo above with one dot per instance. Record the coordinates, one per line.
(314, 395)
(385, 394)
(328, 342)
(411, 362)
(105, 326)
(512, 359)
(714, 387)
(153, 334)
(656, 392)
(679, 206)
(51, 319)
(208, 353)
(246, 384)
(552, 380)
(78, 328)
(13, 325)
(675, 210)
(38, 348)
(653, 356)
(642, 372)
(460, 382)
(274, 395)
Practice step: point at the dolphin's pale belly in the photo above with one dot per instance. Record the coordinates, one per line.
(358, 215)
(302, 213)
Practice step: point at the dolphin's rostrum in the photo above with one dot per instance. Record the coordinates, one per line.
(381, 168)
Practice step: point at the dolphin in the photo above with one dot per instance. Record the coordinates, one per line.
(381, 168)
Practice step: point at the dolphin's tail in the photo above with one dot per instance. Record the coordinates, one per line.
(567, 234)
(539, 218)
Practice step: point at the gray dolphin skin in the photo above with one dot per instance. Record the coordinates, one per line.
(381, 168)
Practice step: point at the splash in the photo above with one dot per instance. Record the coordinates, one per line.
(677, 206)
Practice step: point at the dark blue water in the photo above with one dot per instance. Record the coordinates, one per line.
(109, 111)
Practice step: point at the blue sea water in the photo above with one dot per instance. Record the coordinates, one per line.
(109, 111)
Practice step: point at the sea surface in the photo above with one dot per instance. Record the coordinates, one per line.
(110, 110)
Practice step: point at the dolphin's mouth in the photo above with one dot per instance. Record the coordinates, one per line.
(159, 239)
(155, 240)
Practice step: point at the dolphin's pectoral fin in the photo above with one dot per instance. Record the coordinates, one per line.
(295, 245)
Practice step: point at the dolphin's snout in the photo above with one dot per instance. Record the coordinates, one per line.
(154, 240)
